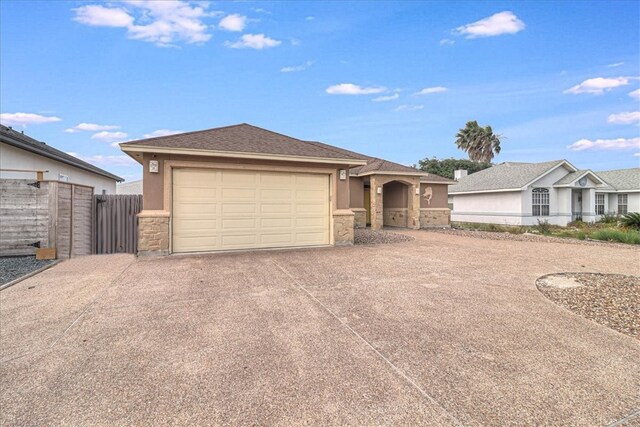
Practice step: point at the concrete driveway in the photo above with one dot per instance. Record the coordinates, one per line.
(444, 330)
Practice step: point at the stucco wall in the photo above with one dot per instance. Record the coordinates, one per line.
(439, 198)
(497, 208)
(395, 195)
(356, 192)
(153, 183)
(15, 158)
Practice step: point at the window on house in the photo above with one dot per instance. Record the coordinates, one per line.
(540, 202)
(599, 204)
(622, 204)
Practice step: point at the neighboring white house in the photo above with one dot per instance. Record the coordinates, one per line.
(514, 193)
(22, 157)
(131, 187)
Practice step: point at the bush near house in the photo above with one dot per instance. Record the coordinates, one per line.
(575, 230)
(631, 220)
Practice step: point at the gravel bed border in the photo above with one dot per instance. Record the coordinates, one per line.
(40, 265)
(611, 300)
(367, 236)
(527, 237)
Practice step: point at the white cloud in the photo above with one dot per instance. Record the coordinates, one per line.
(260, 10)
(297, 68)
(408, 107)
(161, 22)
(310, 18)
(253, 41)
(162, 132)
(605, 144)
(500, 23)
(636, 154)
(430, 90)
(105, 161)
(109, 136)
(25, 119)
(635, 94)
(233, 22)
(351, 89)
(598, 85)
(387, 98)
(617, 64)
(446, 42)
(100, 16)
(90, 127)
(625, 118)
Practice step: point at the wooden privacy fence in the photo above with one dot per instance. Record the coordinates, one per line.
(45, 214)
(116, 223)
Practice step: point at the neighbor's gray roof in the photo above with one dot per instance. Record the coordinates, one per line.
(243, 138)
(132, 187)
(24, 142)
(622, 179)
(503, 176)
(436, 178)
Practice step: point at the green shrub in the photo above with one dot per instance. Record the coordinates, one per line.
(631, 220)
(611, 235)
(609, 218)
(544, 227)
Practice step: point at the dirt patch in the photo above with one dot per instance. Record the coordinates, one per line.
(367, 236)
(612, 300)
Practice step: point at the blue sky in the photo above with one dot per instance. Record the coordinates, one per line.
(390, 79)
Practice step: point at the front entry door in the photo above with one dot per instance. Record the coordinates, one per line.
(367, 204)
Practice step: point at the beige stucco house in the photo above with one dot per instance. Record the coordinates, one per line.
(243, 187)
(517, 193)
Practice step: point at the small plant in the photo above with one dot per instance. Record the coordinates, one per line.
(544, 227)
(609, 218)
(631, 220)
(612, 235)
(578, 223)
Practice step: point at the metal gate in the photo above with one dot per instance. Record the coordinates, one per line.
(116, 223)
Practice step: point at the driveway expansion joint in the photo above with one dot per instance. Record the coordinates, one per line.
(395, 368)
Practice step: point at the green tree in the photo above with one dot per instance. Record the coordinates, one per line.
(445, 167)
(480, 143)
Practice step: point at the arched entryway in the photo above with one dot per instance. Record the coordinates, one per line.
(395, 210)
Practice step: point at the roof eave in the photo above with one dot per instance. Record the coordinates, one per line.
(27, 147)
(239, 155)
(390, 173)
(501, 190)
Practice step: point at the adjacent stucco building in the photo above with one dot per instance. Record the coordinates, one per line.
(22, 157)
(514, 193)
(243, 187)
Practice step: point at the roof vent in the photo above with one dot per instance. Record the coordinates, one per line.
(460, 173)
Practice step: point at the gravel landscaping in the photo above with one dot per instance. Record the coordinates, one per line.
(612, 300)
(367, 236)
(14, 267)
(526, 237)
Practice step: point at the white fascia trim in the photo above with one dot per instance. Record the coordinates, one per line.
(240, 155)
(587, 172)
(505, 190)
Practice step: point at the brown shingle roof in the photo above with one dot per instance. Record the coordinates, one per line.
(380, 165)
(436, 178)
(243, 138)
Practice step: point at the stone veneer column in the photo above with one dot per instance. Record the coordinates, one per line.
(413, 220)
(343, 224)
(376, 203)
(360, 217)
(153, 233)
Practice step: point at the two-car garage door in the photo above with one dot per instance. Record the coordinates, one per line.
(215, 209)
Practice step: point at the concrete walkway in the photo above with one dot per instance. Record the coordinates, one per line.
(444, 330)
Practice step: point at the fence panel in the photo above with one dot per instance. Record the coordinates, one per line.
(116, 223)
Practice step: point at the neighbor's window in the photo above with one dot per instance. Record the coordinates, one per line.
(540, 202)
(599, 204)
(622, 204)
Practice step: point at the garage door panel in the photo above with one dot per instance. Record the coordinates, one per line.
(224, 210)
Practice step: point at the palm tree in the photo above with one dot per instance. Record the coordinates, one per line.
(479, 142)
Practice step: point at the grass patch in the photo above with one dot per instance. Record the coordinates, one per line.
(576, 230)
(629, 237)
